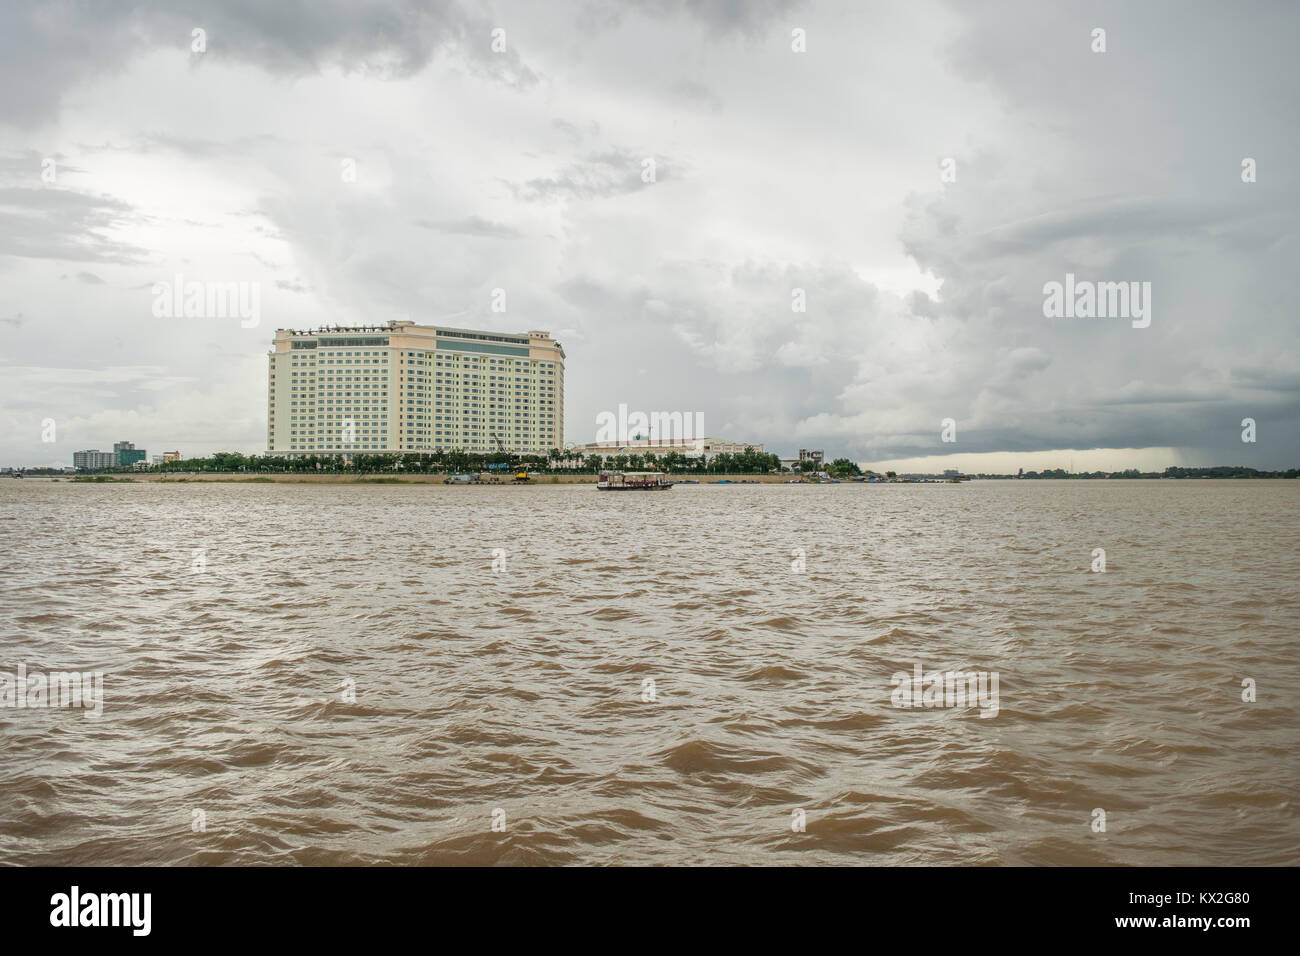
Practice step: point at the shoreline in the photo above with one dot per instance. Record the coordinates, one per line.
(191, 478)
(290, 478)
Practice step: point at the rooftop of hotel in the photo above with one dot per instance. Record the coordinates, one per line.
(401, 325)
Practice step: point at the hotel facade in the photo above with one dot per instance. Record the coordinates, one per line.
(404, 388)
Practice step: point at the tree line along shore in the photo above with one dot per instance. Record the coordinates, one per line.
(560, 466)
(554, 463)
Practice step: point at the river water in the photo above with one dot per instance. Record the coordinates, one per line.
(355, 674)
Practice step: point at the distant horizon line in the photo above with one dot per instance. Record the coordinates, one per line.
(5, 469)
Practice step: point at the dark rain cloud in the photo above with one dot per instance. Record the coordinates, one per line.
(48, 47)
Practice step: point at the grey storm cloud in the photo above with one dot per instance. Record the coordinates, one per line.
(719, 17)
(62, 224)
(48, 47)
(775, 171)
(595, 176)
(471, 226)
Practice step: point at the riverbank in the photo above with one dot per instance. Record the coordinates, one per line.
(435, 479)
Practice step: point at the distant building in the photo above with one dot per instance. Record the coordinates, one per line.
(171, 456)
(817, 457)
(708, 448)
(93, 459)
(127, 454)
(951, 473)
(402, 387)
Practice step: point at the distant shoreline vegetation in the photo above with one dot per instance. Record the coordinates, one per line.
(564, 463)
(556, 462)
(1214, 471)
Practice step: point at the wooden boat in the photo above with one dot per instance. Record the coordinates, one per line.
(632, 481)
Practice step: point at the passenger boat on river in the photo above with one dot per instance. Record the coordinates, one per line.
(632, 481)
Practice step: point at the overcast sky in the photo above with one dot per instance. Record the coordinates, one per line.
(775, 170)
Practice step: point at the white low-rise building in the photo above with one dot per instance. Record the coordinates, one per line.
(709, 448)
(93, 459)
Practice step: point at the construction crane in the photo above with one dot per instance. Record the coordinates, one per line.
(509, 464)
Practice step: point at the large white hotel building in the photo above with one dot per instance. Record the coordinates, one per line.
(403, 387)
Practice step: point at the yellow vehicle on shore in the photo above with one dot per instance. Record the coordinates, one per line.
(511, 460)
